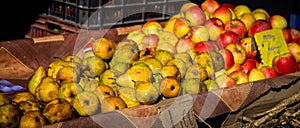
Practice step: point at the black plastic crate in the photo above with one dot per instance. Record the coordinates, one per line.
(111, 13)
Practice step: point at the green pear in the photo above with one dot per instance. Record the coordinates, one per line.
(166, 46)
(196, 71)
(58, 110)
(191, 86)
(68, 91)
(108, 78)
(140, 72)
(86, 103)
(125, 81)
(179, 63)
(131, 43)
(167, 36)
(146, 93)
(217, 60)
(154, 64)
(211, 84)
(125, 54)
(32, 119)
(128, 95)
(163, 56)
(193, 53)
(185, 57)
(137, 36)
(95, 65)
(9, 116)
(120, 68)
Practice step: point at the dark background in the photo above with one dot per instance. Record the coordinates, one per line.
(17, 16)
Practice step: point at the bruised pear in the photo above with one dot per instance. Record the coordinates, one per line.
(192, 86)
(27, 106)
(103, 91)
(146, 93)
(68, 91)
(128, 95)
(196, 71)
(47, 90)
(86, 103)
(125, 54)
(32, 119)
(67, 74)
(112, 103)
(22, 96)
(57, 111)
(96, 66)
(9, 116)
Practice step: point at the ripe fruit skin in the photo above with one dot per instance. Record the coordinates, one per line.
(278, 21)
(237, 26)
(256, 75)
(195, 16)
(284, 63)
(269, 72)
(223, 14)
(210, 6)
(228, 37)
(258, 26)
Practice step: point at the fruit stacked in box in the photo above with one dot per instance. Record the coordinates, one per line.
(202, 48)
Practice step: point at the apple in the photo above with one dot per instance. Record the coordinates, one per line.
(249, 64)
(228, 58)
(294, 49)
(295, 34)
(250, 48)
(228, 5)
(258, 26)
(228, 37)
(269, 71)
(223, 13)
(260, 16)
(287, 36)
(237, 26)
(239, 76)
(238, 52)
(278, 21)
(181, 27)
(263, 11)
(215, 27)
(284, 63)
(150, 41)
(169, 25)
(230, 81)
(241, 9)
(298, 67)
(136, 36)
(256, 75)
(195, 16)
(199, 34)
(204, 47)
(152, 27)
(186, 6)
(184, 44)
(210, 6)
(234, 67)
(248, 20)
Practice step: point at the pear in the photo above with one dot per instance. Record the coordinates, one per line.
(32, 119)
(131, 43)
(88, 54)
(185, 57)
(47, 90)
(128, 95)
(90, 84)
(166, 46)
(120, 68)
(108, 78)
(57, 111)
(163, 56)
(95, 65)
(193, 53)
(196, 71)
(29, 105)
(4, 99)
(54, 66)
(9, 116)
(73, 58)
(166, 36)
(103, 91)
(192, 86)
(146, 93)
(179, 63)
(157, 77)
(125, 54)
(68, 91)
(36, 78)
(67, 74)
(170, 70)
(125, 81)
(137, 36)
(154, 64)
(22, 96)
(140, 72)
(86, 103)
(104, 48)
(170, 87)
(112, 103)
(217, 60)
(211, 85)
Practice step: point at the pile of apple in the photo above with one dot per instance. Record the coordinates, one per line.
(226, 29)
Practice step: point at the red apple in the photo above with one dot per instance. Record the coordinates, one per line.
(234, 67)
(186, 6)
(295, 34)
(228, 58)
(284, 63)
(239, 76)
(256, 75)
(199, 34)
(287, 36)
(249, 64)
(230, 81)
(248, 19)
(258, 26)
(238, 52)
(184, 44)
(228, 37)
(210, 6)
(269, 71)
(228, 5)
(250, 48)
(298, 67)
(278, 21)
(294, 49)
(223, 13)
(181, 27)
(215, 27)
(195, 16)
(204, 47)
(237, 26)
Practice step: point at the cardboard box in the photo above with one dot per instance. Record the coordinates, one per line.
(182, 111)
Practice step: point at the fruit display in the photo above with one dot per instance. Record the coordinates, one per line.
(202, 48)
